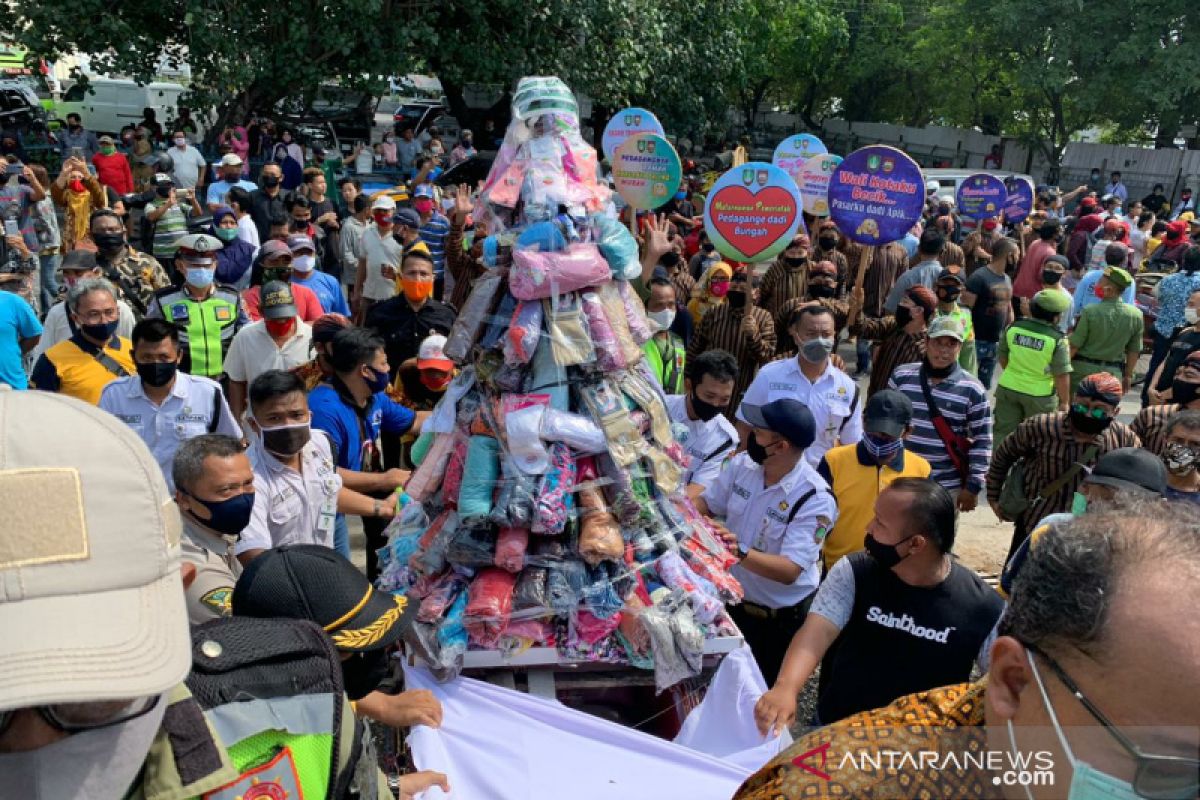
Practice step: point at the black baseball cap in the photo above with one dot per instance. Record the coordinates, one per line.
(791, 419)
(309, 581)
(1130, 469)
(277, 301)
(888, 412)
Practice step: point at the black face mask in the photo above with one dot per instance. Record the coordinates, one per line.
(816, 291)
(163, 191)
(1183, 392)
(705, 411)
(101, 332)
(109, 242)
(757, 453)
(794, 261)
(157, 374)
(708, 247)
(286, 440)
(1050, 277)
(269, 181)
(363, 672)
(1086, 423)
(887, 555)
(903, 316)
(277, 274)
(827, 242)
(669, 261)
(736, 299)
(937, 372)
(948, 294)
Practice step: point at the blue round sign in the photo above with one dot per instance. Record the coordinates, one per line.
(981, 196)
(1019, 204)
(876, 195)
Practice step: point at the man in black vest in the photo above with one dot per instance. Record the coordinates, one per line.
(900, 617)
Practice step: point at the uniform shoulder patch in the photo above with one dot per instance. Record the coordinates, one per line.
(822, 529)
(223, 313)
(218, 600)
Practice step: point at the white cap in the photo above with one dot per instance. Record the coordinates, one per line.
(383, 203)
(432, 354)
(92, 607)
(231, 160)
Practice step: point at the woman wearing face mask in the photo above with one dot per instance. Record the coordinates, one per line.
(1055, 449)
(825, 249)
(112, 168)
(80, 193)
(1177, 317)
(1183, 394)
(712, 289)
(236, 255)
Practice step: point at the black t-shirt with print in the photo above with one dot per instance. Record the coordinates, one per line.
(993, 296)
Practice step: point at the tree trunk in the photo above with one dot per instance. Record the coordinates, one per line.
(235, 111)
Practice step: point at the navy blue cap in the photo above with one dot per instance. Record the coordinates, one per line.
(790, 419)
(407, 217)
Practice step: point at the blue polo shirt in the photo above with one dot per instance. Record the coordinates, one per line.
(327, 290)
(17, 322)
(347, 429)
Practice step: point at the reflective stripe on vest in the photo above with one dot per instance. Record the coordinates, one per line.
(1030, 351)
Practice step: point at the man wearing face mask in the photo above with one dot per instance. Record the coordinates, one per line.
(406, 319)
(740, 327)
(988, 294)
(1037, 365)
(58, 325)
(1108, 335)
(169, 212)
(924, 273)
(711, 438)
(952, 421)
(375, 280)
(421, 382)
(664, 351)
(810, 378)
(904, 601)
(164, 406)
(822, 291)
(1053, 272)
(826, 250)
(354, 411)
(1029, 275)
(214, 488)
(1181, 455)
(230, 167)
(1071, 684)
(901, 337)
(313, 583)
(785, 280)
(464, 263)
(137, 276)
(1055, 448)
(433, 230)
(1183, 393)
(280, 340)
(298, 488)
(857, 473)
(269, 199)
(206, 314)
(977, 247)
(77, 137)
(275, 264)
(305, 273)
(188, 165)
(949, 288)
(94, 356)
(777, 510)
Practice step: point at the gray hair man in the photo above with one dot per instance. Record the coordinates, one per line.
(95, 355)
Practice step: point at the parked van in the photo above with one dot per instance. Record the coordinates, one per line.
(107, 104)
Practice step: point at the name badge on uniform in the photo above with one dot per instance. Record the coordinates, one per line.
(179, 312)
(223, 313)
(327, 517)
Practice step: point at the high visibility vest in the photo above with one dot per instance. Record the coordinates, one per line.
(1031, 346)
(668, 367)
(206, 328)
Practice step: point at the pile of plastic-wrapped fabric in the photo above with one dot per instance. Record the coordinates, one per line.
(549, 507)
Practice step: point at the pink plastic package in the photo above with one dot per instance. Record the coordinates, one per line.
(428, 477)
(537, 275)
(489, 606)
(609, 354)
(510, 548)
(635, 313)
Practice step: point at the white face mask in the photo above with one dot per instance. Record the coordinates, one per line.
(1192, 315)
(663, 319)
(304, 263)
(181, 142)
(1087, 782)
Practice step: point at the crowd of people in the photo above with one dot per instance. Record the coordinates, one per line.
(279, 367)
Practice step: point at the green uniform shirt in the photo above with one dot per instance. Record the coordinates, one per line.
(1107, 331)
(1035, 352)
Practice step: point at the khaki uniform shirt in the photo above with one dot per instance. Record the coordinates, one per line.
(217, 570)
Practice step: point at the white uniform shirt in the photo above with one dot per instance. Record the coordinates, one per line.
(292, 507)
(708, 443)
(379, 251)
(759, 514)
(57, 327)
(248, 233)
(833, 401)
(187, 412)
(253, 352)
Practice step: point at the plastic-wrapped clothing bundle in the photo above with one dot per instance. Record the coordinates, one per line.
(525, 330)
(472, 546)
(421, 447)
(530, 592)
(554, 501)
(522, 415)
(520, 634)
(567, 329)
(609, 355)
(600, 594)
(490, 604)
(427, 478)
(537, 275)
(614, 312)
(591, 629)
(452, 632)
(607, 406)
(499, 322)
(545, 237)
(511, 544)
(480, 473)
(700, 593)
(454, 474)
(618, 247)
(565, 582)
(713, 569)
(599, 534)
(635, 313)
(548, 377)
(442, 592)
(672, 663)
(513, 504)
(574, 430)
(472, 315)
(431, 558)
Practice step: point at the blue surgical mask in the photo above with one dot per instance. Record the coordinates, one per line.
(882, 452)
(200, 277)
(1087, 782)
(1078, 504)
(681, 195)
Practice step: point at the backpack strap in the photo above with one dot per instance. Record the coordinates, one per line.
(853, 408)
(799, 504)
(214, 418)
